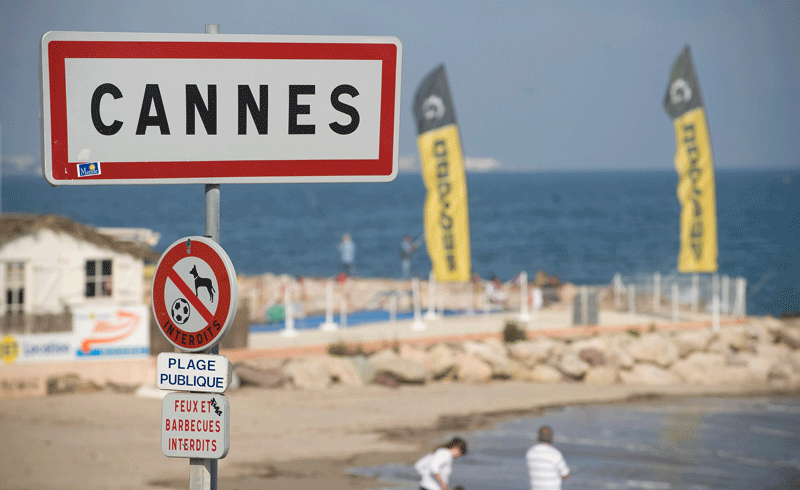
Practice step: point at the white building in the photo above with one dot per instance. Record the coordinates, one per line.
(50, 265)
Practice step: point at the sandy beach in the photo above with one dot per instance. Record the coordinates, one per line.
(286, 438)
(295, 438)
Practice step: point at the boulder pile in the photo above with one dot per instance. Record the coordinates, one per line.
(763, 352)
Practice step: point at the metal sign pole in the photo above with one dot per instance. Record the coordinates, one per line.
(203, 472)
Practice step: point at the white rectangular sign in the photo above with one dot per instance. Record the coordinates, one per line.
(195, 425)
(111, 331)
(209, 373)
(37, 347)
(131, 108)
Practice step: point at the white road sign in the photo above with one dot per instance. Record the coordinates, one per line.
(209, 373)
(133, 108)
(195, 425)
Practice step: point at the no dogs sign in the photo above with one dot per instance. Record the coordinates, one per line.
(195, 293)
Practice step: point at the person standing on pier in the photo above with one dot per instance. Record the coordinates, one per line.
(347, 250)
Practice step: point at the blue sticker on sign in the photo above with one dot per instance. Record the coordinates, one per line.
(87, 169)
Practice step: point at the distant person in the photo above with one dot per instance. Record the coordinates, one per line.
(347, 250)
(495, 294)
(407, 249)
(546, 465)
(435, 467)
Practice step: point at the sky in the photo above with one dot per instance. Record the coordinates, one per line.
(537, 86)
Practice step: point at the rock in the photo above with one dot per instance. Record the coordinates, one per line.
(623, 360)
(617, 354)
(520, 372)
(384, 379)
(268, 378)
(601, 376)
(415, 354)
(653, 348)
(760, 367)
(472, 369)
(543, 373)
(70, 383)
(700, 368)
(263, 363)
(599, 343)
(737, 338)
(493, 355)
(773, 351)
(771, 323)
(759, 332)
(794, 361)
(648, 374)
(366, 371)
(790, 336)
(308, 373)
(572, 366)
(343, 371)
(782, 376)
(442, 361)
(718, 346)
(401, 369)
(690, 341)
(592, 357)
(532, 352)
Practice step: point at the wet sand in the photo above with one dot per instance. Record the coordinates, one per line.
(280, 439)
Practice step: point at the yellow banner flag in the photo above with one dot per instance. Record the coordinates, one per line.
(446, 210)
(694, 165)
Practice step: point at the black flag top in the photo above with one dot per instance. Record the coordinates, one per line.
(683, 93)
(433, 106)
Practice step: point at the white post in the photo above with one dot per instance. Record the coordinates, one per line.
(656, 292)
(343, 312)
(695, 292)
(431, 314)
(538, 301)
(632, 299)
(584, 305)
(739, 306)
(675, 299)
(329, 325)
(288, 309)
(715, 303)
(523, 297)
(417, 325)
(617, 291)
(726, 294)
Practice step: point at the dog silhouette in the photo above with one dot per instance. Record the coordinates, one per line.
(202, 282)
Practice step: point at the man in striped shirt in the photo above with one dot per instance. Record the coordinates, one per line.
(546, 465)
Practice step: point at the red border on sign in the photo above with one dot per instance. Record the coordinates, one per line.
(209, 334)
(64, 170)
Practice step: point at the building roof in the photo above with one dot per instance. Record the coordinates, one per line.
(13, 225)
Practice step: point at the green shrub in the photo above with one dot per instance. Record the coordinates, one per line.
(513, 333)
(340, 349)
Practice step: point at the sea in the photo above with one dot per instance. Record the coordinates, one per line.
(736, 443)
(580, 227)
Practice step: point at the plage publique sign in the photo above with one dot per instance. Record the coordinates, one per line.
(134, 108)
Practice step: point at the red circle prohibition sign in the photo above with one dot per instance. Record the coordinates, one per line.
(194, 293)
